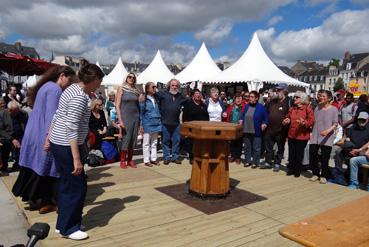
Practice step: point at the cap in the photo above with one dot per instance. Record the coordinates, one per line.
(363, 115)
(282, 86)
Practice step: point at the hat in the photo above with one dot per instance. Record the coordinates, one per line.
(363, 115)
(282, 86)
(341, 92)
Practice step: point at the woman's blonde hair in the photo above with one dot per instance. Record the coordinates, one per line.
(94, 103)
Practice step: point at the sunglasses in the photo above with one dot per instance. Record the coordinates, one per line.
(131, 77)
(153, 86)
(296, 97)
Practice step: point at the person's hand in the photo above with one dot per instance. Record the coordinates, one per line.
(286, 121)
(301, 121)
(324, 133)
(120, 136)
(355, 152)
(121, 124)
(263, 127)
(47, 145)
(100, 132)
(16, 143)
(141, 98)
(240, 121)
(224, 115)
(78, 167)
(367, 153)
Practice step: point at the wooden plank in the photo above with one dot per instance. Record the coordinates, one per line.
(346, 225)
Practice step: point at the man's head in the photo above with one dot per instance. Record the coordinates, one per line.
(174, 86)
(349, 98)
(196, 95)
(12, 90)
(223, 95)
(281, 90)
(362, 119)
(13, 107)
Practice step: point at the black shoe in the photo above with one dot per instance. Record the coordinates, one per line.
(265, 166)
(178, 162)
(246, 164)
(290, 172)
(297, 175)
(166, 162)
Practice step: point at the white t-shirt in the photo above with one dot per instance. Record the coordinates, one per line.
(215, 111)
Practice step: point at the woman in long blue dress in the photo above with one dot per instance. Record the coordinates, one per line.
(38, 175)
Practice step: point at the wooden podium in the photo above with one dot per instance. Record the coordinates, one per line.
(210, 171)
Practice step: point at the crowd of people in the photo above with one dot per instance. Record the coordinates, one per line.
(64, 121)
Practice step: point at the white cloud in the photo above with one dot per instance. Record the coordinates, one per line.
(274, 20)
(215, 32)
(119, 24)
(346, 30)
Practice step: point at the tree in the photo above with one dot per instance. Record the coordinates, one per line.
(335, 62)
(338, 85)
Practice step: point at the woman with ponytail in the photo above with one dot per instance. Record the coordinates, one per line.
(67, 137)
(38, 176)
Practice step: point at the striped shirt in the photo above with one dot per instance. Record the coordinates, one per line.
(72, 117)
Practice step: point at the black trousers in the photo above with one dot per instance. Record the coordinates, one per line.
(295, 155)
(324, 158)
(269, 141)
(5, 153)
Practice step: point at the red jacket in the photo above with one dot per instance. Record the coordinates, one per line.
(297, 131)
(229, 111)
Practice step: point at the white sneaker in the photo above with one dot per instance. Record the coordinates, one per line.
(78, 235)
(323, 180)
(314, 178)
(82, 228)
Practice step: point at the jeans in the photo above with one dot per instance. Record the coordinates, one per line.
(314, 160)
(236, 148)
(252, 148)
(170, 134)
(269, 141)
(295, 155)
(149, 143)
(71, 192)
(355, 163)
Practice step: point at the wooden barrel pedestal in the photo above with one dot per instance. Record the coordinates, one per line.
(210, 170)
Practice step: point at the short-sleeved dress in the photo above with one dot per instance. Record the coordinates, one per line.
(130, 112)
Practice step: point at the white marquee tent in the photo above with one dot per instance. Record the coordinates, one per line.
(116, 76)
(30, 82)
(201, 67)
(157, 71)
(254, 67)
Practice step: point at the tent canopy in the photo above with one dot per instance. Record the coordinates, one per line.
(254, 67)
(14, 64)
(201, 67)
(116, 76)
(30, 82)
(157, 71)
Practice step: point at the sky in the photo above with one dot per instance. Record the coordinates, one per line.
(103, 31)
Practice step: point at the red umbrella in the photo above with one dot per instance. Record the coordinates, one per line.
(14, 64)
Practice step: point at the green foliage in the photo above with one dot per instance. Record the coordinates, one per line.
(339, 85)
(335, 62)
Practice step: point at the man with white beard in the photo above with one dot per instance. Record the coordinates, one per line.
(277, 108)
(171, 102)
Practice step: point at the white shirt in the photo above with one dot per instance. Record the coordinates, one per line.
(215, 111)
(152, 99)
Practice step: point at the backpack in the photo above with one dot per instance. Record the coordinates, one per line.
(108, 150)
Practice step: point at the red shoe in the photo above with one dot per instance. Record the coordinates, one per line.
(123, 162)
(131, 163)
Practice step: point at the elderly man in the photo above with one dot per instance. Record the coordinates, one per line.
(361, 155)
(6, 131)
(19, 121)
(276, 133)
(171, 102)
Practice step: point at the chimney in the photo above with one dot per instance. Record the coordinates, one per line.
(18, 45)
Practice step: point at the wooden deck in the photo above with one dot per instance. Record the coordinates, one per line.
(123, 208)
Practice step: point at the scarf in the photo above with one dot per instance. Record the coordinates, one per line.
(128, 88)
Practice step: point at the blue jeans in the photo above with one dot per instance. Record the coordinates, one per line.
(355, 163)
(170, 134)
(252, 148)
